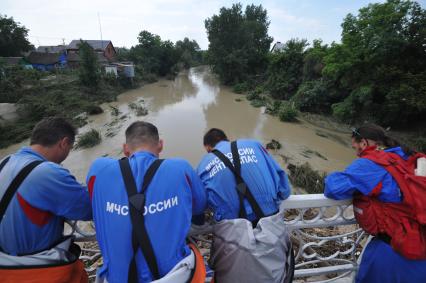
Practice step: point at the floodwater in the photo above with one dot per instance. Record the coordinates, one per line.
(184, 109)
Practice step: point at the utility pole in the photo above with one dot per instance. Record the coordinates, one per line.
(100, 29)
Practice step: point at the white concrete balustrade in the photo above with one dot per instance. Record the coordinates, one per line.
(326, 239)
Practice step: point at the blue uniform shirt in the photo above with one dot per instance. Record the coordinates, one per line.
(380, 263)
(266, 180)
(174, 194)
(34, 219)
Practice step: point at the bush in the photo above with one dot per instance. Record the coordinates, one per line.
(313, 96)
(287, 112)
(253, 95)
(240, 88)
(110, 79)
(273, 107)
(258, 102)
(89, 139)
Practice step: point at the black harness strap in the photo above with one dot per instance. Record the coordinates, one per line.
(242, 188)
(140, 237)
(4, 162)
(14, 185)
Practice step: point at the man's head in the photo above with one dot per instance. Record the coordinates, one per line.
(53, 137)
(142, 136)
(213, 137)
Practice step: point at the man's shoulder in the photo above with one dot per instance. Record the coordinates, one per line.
(248, 142)
(101, 164)
(50, 169)
(173, 163)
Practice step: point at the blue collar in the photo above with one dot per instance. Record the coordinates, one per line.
(143, 153)
(29, 150)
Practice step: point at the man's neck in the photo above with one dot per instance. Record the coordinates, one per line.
(43, 151)
(146, 149)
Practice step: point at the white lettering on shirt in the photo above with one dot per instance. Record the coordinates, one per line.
(150, 209)
(247, 155)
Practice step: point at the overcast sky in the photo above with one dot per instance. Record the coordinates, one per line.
(51, 21)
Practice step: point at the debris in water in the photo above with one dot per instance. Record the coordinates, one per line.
(89, 139)
(305, 177)
(274, 145)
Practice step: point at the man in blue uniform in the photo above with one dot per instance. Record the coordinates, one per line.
(34, 217)
(380, 263)
(267, 182)
(174, 194)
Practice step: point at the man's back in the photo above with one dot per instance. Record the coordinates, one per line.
(265, 179)
(34, 218)
(170, 197)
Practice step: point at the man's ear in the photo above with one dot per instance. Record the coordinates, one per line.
(208, 148)
(65, 142)
(126, 150)
(160, 146)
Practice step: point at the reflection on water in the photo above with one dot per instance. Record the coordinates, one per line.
(184, 109)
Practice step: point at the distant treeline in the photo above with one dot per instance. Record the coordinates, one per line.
(377, 72)
(156, 57)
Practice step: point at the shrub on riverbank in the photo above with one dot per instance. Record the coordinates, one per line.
(67, 100)
(287, 112)
(89, 139)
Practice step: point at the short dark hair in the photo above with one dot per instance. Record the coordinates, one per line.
(140, 132)
(51, 130)
(213, 136)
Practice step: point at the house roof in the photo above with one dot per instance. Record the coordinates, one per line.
(95, 44)
(278, 46)
(43, 58)
(74, 57)
(51, 49)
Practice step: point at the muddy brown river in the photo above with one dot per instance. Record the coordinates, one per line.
(185, 108)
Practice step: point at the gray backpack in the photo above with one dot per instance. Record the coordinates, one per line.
(243, 251)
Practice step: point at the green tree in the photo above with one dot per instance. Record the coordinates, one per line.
(313, 61)
(154, 55)
(381, 64)
(285, 72)
(189, 52)
(89, 71)
(238, 43)
(13, 38)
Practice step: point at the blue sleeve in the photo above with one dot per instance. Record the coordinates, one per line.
(59, 192)
(199, 199)
(281, 178)
(362, 175)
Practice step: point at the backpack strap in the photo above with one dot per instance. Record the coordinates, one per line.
(14, 185)
(140, 237)
(4, 162)
(242, 188)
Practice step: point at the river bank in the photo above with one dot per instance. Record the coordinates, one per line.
(183, 109)
(61, 95)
